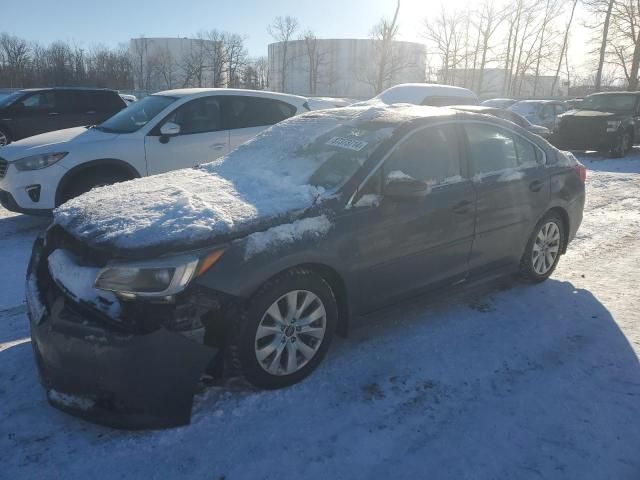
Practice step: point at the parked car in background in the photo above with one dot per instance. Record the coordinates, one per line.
(129, 99)
(507, 115)
(323, 103)
(425, 94)
(499, 102)
(540, 112)
(30, 112)
(608, 122)
(260, 258)
(161, 132)
(573, 103)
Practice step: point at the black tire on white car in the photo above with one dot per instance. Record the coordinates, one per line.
(544, 249)
(284, 331)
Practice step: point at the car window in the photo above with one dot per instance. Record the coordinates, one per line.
(97, 101)
(248, 112)
(548, 111)
(491, 149)
(198, 116)
(39, 101)
(528, 154)
(560, 109)
(137, 115)
(430, 155)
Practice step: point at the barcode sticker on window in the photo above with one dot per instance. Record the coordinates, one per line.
(348, 143)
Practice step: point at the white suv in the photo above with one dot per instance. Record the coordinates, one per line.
(165, 131)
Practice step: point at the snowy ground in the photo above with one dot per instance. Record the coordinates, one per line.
(495, 382)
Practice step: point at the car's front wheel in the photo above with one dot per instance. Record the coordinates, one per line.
(622, 146)
(544, 248)
(284, 332)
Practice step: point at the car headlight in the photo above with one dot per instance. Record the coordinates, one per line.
(37, 162)
(156, 278)
(613, 125)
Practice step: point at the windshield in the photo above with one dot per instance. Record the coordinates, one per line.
(136, 115)
(315, 149)
(5, 101)
(525, 108)
(610, 103)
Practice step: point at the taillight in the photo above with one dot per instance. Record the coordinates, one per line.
(581, 170)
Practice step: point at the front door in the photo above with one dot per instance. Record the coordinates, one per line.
(513, 191)
(407, 245)
(201, 138)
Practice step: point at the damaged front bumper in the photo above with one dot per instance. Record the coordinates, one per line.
(95, 370)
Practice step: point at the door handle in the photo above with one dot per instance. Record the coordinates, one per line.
(463, 207)
(536, 186)
(218, 146)
(53, 113)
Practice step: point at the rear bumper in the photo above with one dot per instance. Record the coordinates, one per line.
(601, 143)
(110, 377)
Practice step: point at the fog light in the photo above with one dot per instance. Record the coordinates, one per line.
(34, 193)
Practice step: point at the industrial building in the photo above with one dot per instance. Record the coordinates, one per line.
(343, 67)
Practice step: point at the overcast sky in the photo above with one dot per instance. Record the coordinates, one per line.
(110, 22)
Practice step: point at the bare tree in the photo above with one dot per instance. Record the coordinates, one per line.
(443, 35)
(564, 46)
(282, 30)
(625, 39)
(491, 17)
(235, 57)
(16, 54)
(316, 60)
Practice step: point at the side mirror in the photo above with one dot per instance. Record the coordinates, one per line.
(170, 129)
(405, 189)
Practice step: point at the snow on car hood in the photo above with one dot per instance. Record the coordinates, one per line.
(263, 183)
(47, 142)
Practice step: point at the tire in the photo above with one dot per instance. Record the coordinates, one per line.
(622, 146)
(259, 347)
(5, 138)
(548, 236)
(89, 180)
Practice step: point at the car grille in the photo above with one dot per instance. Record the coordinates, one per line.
(583, 128)
(57, 237)
(3, 167)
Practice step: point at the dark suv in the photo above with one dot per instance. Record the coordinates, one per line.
(30, 112)
(608, 122)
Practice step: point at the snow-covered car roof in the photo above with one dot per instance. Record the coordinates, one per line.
(203, 92)
(415, 93)
(268, 179)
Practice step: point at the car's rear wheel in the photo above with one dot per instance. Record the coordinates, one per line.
(5, 139)
(622, 146)
(284, 331)
(544, 248)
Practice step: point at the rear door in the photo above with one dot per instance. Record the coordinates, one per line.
(406, 245)
(201, 139)
(513, 191)
(36, 113)
(246, 116)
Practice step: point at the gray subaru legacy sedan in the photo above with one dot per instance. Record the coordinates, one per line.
(249, 265)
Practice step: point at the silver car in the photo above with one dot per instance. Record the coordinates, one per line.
(540, 112)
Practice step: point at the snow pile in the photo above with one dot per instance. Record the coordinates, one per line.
(398, 175)
(264, 179)
(370, 200)
(78, 282)
(71, 401)
(286, 234)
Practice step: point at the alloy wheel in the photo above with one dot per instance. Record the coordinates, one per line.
(290, 332)
(546, 248)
